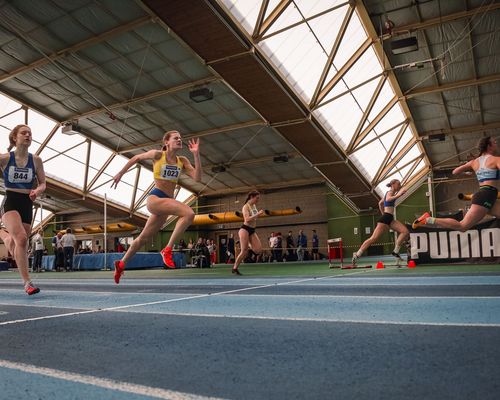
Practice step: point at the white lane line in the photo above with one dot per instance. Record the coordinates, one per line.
(104, 383)
(18, 321)
(336, 320)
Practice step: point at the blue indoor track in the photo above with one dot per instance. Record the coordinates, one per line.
(359, 335)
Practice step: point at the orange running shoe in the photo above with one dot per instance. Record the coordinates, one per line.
(119, 268)
(31, 289)
(420, 221)
(166, 255)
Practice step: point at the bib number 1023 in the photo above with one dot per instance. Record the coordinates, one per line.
(169, 172)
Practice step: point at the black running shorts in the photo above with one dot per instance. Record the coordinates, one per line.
(20, 202)
(485, 197)
(386, 219)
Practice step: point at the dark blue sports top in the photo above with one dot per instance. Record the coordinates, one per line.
(389, 203)
(16, 177)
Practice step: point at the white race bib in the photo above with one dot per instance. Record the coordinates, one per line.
(20, 175)
(170, 172)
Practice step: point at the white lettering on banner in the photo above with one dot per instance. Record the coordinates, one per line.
(438, 247)
(418, 244)
(473, 243)
(460, 247)
(491, 242)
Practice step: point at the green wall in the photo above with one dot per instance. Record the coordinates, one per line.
(342, 221)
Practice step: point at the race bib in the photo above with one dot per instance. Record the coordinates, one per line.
(20, 175)
(170, 172)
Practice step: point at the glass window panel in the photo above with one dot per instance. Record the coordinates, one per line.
(327, 26)
(407, 136)
(354, 37)
(393, 117)
(371, 157)
(345, 122)
(386, 94)
(289, 52)
(363, 69)
(364, 93)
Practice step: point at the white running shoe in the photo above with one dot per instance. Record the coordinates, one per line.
(354, 259)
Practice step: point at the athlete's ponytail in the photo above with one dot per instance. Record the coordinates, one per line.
(483, 144)
(13, 135)
(252, 194)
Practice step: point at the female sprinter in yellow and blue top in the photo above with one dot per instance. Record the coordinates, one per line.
(247, 234)
(20, 170)
(167, 168)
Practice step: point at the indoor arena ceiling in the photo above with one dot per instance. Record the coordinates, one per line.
(122, 72)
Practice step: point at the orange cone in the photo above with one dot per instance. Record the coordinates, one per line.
(411, 264)
(380, 265)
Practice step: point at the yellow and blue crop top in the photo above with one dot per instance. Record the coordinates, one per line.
(164, 171)
(484, 173)
(15, 177)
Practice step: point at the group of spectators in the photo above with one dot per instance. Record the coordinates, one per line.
(295, 249)
(202, 254)
(64, 247)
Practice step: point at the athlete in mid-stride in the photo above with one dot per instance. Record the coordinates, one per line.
(387, 206)
(484, 201)
(167, 167)
(248, 235)
(20, 171)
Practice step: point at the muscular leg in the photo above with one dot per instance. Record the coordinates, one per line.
(403, 234)
(255, 244)
(473, 216)
(166, 207)
(153, 225)
(243, 234)
(377, 233)
(19, 234)
(7, 240)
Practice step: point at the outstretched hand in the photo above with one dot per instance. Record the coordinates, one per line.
(116, 179)
(194, 145)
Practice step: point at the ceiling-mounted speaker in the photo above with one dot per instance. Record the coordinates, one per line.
(438, 137)
(405, 45)
(201, 94)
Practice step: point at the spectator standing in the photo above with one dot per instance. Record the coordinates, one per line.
(37, 247)
(290, 247)
(120, 248)
(68, 242)
(182, 249)
(211, 250)
(278, 253)
(315, 245)
(273, 243)
(58, 252)
(301, 245)
(231, 250)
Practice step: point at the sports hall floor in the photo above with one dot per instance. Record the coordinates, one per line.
(281, 331)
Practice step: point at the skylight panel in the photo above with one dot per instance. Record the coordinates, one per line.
(345, 115)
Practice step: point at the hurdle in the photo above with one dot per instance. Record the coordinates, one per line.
(333, 245)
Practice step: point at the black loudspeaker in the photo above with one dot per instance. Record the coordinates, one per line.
(405, 45)
(439, 137)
